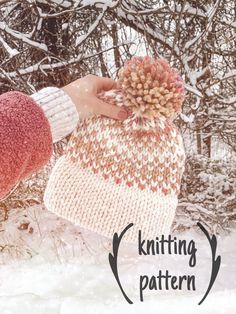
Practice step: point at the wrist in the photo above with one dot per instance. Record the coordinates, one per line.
(79, 98)
(70, 91)
(59, 109)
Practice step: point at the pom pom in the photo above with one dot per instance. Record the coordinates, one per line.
(151, 87)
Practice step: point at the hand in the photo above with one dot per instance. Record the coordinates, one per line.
(83, 93)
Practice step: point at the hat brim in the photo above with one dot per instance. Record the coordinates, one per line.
(102, 206)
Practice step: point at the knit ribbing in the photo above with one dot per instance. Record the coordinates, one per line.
(119, 172)
(105, 207)
(59, 109)
(114, 174)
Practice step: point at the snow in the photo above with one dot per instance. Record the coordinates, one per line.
(155, 33)
(195, 75)
(63, 3)
(190, 10)
(99, 4)
(50, 66)
(92, 27)
(11, 51)
(229, 74)
(187, 119)
(192, 41)
(22, 36)
(64, 26)
(193, 90)
(56, 267)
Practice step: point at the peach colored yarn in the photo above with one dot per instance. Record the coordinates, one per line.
(151, 86)
(117, 172)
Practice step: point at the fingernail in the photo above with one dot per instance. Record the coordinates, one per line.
(130, 113)
(122, 114)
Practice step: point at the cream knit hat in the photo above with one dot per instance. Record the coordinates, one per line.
(118, 172)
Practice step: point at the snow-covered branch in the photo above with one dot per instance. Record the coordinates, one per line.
(56, 65)
(11, 51)
(22, 37)
(82, 38)
(196, 38)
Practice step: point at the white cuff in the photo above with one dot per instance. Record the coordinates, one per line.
(59, 110)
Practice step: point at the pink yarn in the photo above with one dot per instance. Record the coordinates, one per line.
(25, 139)
(151, 87)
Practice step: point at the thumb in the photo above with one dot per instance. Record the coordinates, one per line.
(102, 108)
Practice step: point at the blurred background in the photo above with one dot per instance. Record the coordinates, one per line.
(51, 43)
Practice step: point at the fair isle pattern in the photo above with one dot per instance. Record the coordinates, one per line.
(118, 172)
(146, 156)
(105, 207)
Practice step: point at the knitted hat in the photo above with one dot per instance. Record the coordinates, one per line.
(119, 172)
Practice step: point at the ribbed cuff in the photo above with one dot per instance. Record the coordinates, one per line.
(59, 110)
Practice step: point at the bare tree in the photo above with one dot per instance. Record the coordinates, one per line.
(53, 42)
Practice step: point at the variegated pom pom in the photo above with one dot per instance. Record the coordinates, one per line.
(151, 87)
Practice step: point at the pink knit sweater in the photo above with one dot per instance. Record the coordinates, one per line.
(25, 139)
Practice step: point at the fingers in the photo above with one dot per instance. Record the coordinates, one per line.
(83, 93)
(103, 83)
(100, 107)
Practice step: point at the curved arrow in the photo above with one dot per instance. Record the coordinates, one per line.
(215, 261)
(113, 259)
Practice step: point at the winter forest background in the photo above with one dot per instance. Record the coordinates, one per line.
(50, 43)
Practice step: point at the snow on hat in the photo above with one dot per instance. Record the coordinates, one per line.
(119, 172)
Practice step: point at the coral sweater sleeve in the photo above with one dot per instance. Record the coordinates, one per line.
(25, 139)
(28, 127)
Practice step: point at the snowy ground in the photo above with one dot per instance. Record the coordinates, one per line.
(47, 265)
